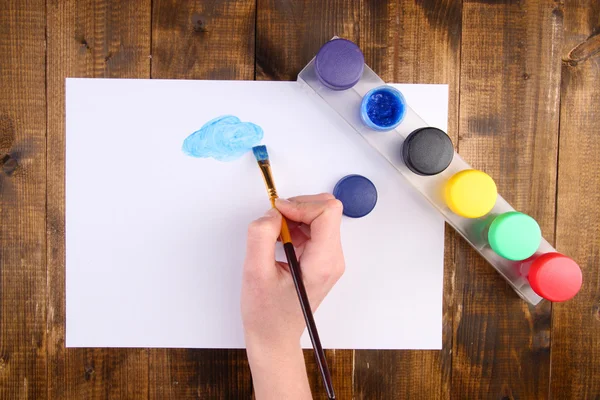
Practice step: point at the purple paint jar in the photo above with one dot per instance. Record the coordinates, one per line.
(339, 64)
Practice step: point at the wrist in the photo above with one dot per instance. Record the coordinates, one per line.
(269, 346)
(278, 370)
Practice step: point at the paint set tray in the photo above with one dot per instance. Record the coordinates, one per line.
(347, 103)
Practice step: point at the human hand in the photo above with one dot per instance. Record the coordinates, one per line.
(271, 313)
(270, 307)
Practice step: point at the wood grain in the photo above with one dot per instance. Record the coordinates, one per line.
(91, 38)
(502, 60)
(576, 323)
(201, 40)
(414, 43)
(509, 101)
(199, 374)
(22, 200)
(288, 35)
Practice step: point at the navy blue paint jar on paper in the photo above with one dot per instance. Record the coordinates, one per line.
(357, 194)
(383, 108)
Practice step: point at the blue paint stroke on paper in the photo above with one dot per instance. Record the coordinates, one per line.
(225, 138)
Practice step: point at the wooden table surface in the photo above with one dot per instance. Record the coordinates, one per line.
(524, 82)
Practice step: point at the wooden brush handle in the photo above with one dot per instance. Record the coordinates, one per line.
(285, 235)
(307, 311)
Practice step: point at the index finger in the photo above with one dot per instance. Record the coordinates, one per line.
(323, 216)
(312, 198)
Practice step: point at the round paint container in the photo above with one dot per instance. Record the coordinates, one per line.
(383, 108)
(427, 151)
(552, 276)
(514, 235)
(470, 193)
(339, 64)
(357, 194)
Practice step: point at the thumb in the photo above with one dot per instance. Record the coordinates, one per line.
(262, 236)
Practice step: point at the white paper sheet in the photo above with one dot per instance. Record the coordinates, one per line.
(155, 239)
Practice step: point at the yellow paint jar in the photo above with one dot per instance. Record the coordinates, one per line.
(470, 193)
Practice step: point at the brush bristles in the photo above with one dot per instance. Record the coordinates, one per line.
(260, 152)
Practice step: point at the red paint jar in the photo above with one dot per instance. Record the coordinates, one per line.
(552, 276)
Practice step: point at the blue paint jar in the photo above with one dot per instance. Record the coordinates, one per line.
(357, 194)
(383, 108)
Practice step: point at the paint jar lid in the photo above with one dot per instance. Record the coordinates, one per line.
(358, 195)
(514, 235)
(339, 64)
(427, 151)
(383, 108)
(470, 193)
(555, 277)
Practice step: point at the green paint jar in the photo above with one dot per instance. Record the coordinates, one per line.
(514, 235)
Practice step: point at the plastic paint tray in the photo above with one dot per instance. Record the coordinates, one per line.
(389, 144)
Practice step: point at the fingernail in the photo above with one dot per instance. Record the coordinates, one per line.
(271, 213)
(282, 201)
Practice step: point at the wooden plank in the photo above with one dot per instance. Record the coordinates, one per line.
(576, 324)
(199, 374)
(90, 38)
(201, 40)
(288, 35)
(509, 98)
(22, 200)
(414, 43)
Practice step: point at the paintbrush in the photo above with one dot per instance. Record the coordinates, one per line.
(262, 157)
